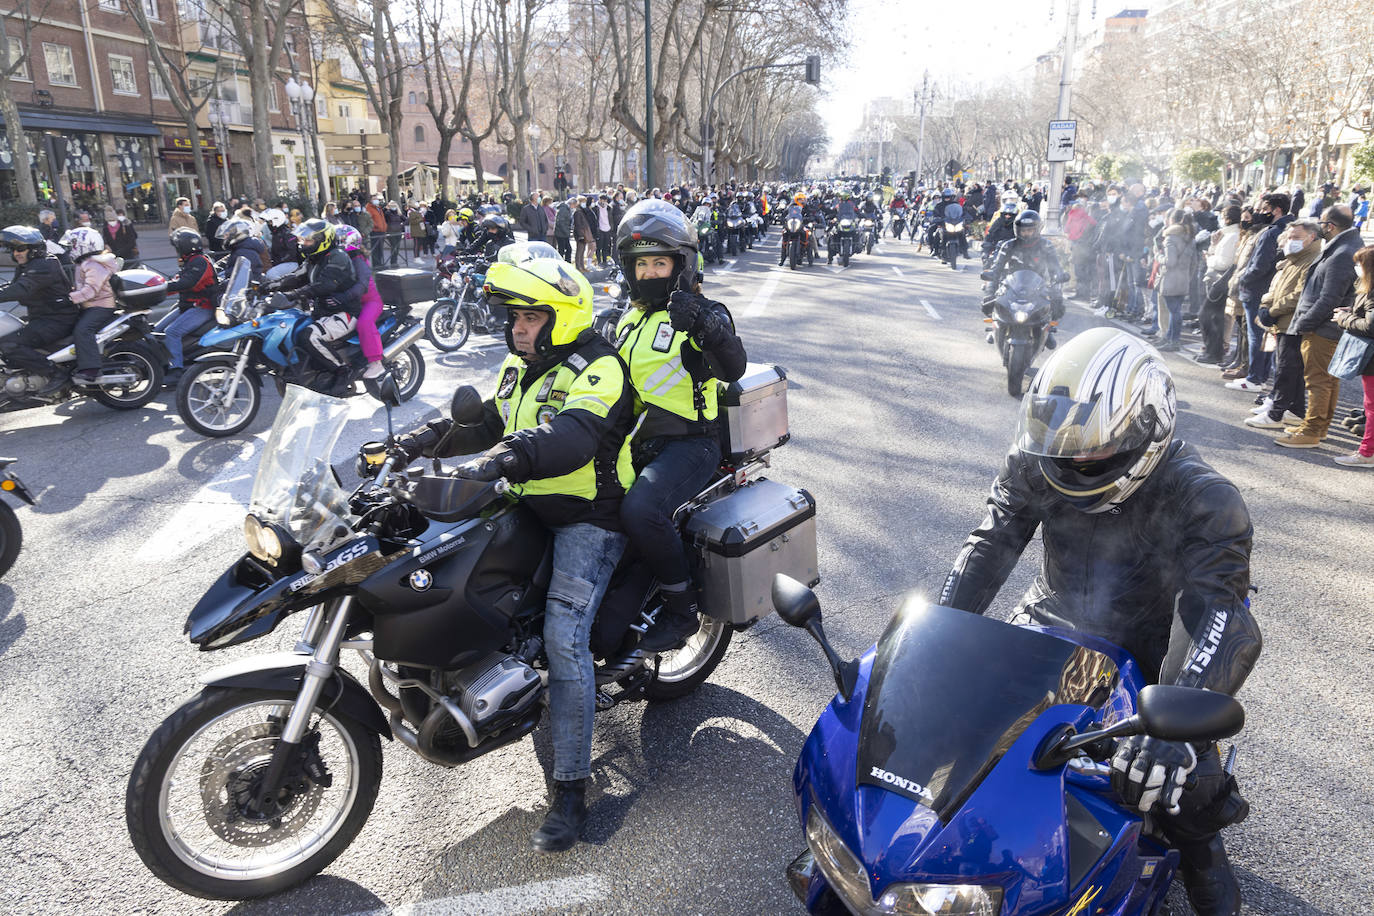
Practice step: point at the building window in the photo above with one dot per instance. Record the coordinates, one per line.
(16, 52)
(272, 98)
(321, 106)
(155, 84)
(115, 6)
(412, 98)
(419, 135)
(61, 70)
(279, 171)
(344, 110)
(122, 75)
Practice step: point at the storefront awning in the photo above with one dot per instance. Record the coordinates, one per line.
(47, 119)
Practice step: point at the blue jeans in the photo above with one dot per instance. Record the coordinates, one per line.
(1175, 306)
(1259, 360)
(677, 474)
(188, 322)
(584, 556)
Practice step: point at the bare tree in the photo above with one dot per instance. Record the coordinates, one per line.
(449, 75)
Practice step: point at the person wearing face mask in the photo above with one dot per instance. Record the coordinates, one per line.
(676, 343)
(1255, 277)
(1220, 266)
(1358, 320)
(1300, 244)
(377, 230)
(182, 218)
(1235, 363)
(41, 286)
(1113, 250)
(218, 215)
(120, 236)
(1329, 286)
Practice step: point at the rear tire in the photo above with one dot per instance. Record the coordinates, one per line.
(11, 537)
(170, 854)
(409, 370)
(199, 388)
(684, 670)
(145, 365)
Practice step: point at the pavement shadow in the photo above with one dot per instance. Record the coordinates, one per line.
(326, 895)
(1264, 896)
(12, 624)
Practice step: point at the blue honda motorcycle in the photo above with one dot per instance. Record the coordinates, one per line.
(220, 393)
(960, 770)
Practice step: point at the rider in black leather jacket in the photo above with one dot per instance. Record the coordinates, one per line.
(1157, 561)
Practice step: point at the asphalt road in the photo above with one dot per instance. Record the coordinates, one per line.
(899, 416)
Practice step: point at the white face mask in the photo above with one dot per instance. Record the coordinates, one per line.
(1112, 199)
(1359, 271)
(1293, 246)
(186, 209)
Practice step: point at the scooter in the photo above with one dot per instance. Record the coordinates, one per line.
(933, 784)
(131, 368)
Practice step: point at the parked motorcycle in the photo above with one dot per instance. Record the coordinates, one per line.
(439, 583)
(258, 333)
(11, 534)
(1021, 324)
(131, 367)
(460, 306)
(932, 784)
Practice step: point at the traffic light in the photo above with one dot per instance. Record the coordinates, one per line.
(813, 69)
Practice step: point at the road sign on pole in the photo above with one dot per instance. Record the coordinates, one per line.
(1061, 141)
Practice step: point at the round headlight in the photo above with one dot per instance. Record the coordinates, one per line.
(222, 318)
(613, 290)
(1022, 316)
(263, 542)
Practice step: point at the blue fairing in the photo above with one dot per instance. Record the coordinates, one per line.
(279, 333)
(1016, 827)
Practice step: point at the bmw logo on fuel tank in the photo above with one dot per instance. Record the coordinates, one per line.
(421, 580)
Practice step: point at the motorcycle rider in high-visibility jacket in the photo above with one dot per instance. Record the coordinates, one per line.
(676, 344)
(556, 428)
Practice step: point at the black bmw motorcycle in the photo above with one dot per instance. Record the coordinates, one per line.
(439, 584)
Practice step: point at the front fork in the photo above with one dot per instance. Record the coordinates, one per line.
(227, 396)
(324, 660)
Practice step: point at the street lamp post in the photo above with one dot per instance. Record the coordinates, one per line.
(922, 100)
(648, 102)
(301, 95)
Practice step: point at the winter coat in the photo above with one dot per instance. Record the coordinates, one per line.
(1178, 260)
(534, 222)
(416, 223)
(449, 234)
(1222, 255)
(123, 241)
(1256, 274)
(1079, 225)
(375, 214)
(1244, 249)
(1360, 322)
(1284, 292)
(562, 225)
(1329, 286)
(40, 285)
(211, 228)
(181, 220)
(93, 290)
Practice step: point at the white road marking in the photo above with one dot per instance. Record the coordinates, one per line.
(557, 894)
(931, 310)
(897, 270)
(760, 300)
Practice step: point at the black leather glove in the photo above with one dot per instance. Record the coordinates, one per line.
(682, 309)
(499, 462)
(1148, 772)
(1265, 318)
(332, 305)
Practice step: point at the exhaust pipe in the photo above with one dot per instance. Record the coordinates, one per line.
(405, 339)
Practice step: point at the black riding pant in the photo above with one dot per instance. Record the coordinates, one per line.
(677, 471)
(27, 348)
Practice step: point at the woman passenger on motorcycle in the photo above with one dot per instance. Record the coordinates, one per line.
(94, 268)
(369, 338)
(676, 343)
(195, 283)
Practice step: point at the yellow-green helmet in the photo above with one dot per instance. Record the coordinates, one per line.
(544, 285)
(1098, 418)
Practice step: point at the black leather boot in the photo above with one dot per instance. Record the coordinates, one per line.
(677, 622)
(562, 826)
(1207, 877)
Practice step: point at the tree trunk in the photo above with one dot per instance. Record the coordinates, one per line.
(207, 194)
(19, 145)
(512, 168)
(478, 167)
(445, 144)
(264, 177)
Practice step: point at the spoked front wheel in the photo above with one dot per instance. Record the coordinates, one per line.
(446, 324)
(205, 405)
(192, 808)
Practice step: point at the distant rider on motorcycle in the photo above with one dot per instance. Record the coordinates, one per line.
(42, 287)
(1167, 576)
(327, 286)
(1029, 250)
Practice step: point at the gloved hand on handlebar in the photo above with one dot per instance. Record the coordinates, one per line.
(1148, 772)
(497, 462)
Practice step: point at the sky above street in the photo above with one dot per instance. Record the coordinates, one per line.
(978, 41)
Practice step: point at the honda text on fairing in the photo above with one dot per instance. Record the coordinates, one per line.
(933, 785)
(439, 583)
(220, 393)
(1021, 324)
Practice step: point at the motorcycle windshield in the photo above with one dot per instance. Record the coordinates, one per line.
(235, 300)
(954, 213)
(952, 691)
(296, 487)
(1025, 285)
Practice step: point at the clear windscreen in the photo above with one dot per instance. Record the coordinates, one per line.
(296, 487)
(1025, 285)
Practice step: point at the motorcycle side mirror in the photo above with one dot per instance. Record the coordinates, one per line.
(799, 606)
(985, 275)
(466, 407)
(1188, 713)
(384, 388)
